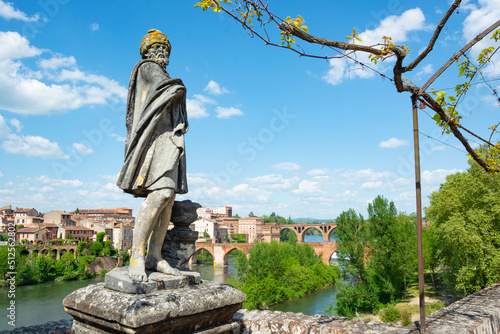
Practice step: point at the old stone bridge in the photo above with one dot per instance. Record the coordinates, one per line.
(220, 252)
(46, 249)
(301, 229)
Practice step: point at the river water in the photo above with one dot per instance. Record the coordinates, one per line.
(37, 304)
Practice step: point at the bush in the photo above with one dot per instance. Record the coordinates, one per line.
(406, 317)
(390, 314)
(431, 308)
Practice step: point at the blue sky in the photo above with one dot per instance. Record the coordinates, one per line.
(269, 131)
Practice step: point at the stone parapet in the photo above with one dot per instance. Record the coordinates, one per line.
(478, 313)
(269, 322)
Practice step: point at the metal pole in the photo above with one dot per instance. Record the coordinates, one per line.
(419, 215)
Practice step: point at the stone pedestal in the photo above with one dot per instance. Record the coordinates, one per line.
(180, 241)
(207, 307)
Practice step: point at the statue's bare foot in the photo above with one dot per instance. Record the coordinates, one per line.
(137, 270)
(157, 263)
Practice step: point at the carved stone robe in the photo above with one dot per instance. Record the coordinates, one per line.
(156, 123)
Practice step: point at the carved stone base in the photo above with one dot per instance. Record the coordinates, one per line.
(118, 279)
(204, 308)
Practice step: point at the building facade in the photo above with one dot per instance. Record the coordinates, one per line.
(215, 212)
(251, 227)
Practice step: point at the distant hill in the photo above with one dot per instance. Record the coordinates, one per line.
(312, 220)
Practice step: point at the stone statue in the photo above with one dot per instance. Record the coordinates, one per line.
(155, 161)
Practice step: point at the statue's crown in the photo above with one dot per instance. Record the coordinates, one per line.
(154, 36)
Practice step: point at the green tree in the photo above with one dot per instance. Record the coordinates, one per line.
(100, 237)
(465, 229)
(96, 248)
(378, 257)
(392, 255)
(276, 272)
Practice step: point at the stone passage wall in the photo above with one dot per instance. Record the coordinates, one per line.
(478, 313)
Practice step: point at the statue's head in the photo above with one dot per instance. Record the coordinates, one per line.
(155, 45)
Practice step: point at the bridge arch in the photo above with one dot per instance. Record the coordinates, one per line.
(308, 228)
(288, 229)
(228, 251)
(193, 260)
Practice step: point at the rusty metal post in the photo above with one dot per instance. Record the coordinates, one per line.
(419, 214)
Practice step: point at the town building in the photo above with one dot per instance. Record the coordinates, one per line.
(251, 227)
(52, 230)
(231, 225)
(59, 218)
(270, 231)
(6, 218)
(79, 233)
(33, 234)
(124, 214)
(27, 217)
(122, 234)
(203, 226)
(98, 227)
(215, 212)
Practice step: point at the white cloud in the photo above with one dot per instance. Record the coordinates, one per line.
(56, 182)
(15, 46)
(25, 91)
(57, 62)
(364, 175)
(335, 74)
(437, 176)
(77, 147)
(199, 179)
(274, 182)
(438, 148)
(94, 26)
(371, 185)
(117, 136)
(7, 11)
(15, 123)
(223, 112)
(396, 27)
(286, 166)
(393, 143)
(33, 146)
(317, 172)
(4, 128)
(214, 88)
(196, 107)
(1, 174)
(110, 178)
(427, 69)
(241, 193)
(307, 187)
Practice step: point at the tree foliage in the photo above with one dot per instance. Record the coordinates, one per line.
(257, 17)
(378, 257)
(465, 230)
(277, 272)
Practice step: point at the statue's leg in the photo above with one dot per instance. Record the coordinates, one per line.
(154, 260)
(145, 221)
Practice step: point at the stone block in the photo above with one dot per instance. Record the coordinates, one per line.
(118, 279)
(206, 307)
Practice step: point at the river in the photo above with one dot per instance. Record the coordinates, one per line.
(37, 304)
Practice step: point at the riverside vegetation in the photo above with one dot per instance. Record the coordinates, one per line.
(276, 272)
(38, 268)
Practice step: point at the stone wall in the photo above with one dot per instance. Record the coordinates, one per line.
(478, 313)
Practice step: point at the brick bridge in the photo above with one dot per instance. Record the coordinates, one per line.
(301, 229)
(220, 252)
(57, 251)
